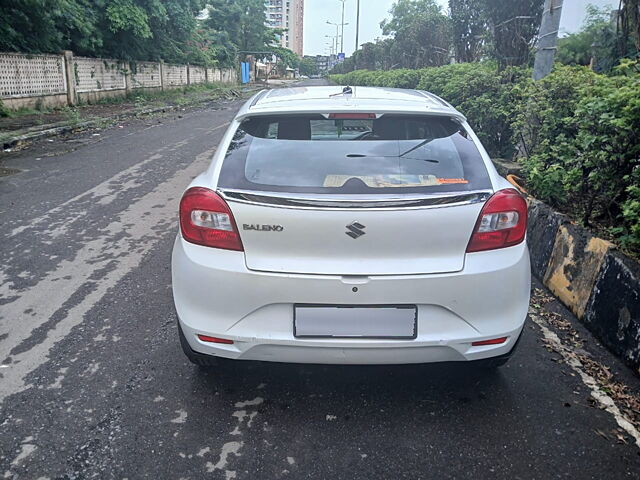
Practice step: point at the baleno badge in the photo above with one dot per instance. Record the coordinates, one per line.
(262, 228)
(356, 230)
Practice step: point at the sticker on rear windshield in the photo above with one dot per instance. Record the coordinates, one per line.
(386, 181)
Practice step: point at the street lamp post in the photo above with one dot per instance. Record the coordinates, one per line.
(334, 42)
(357, 25)
(343, 24)
(355, 57)
(338, 25)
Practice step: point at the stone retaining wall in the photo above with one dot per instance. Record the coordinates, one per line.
(600, 285)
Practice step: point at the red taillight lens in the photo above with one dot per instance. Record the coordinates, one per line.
(493, 341)
(205, 219)
(208, 339)
(502, 222)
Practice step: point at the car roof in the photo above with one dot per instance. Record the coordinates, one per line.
(319, 99)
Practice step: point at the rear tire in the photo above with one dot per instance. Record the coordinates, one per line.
(199, 359)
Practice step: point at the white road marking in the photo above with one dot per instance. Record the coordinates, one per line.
(569, 356)
(181, 418)
(236, 446)
(203, 451)
(121, 253)
(250, 403)
(58, 381)
(103, 193)
(227, 449)
(26, 450)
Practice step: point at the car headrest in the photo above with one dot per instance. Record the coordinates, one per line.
(294, 129)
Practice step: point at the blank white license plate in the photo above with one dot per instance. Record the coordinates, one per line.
(346, 321)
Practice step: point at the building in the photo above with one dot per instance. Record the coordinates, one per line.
(288, 15)
(324, 63)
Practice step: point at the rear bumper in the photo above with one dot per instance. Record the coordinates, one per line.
(216, 295)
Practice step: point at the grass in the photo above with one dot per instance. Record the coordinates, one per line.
(21, 112)
(136, 102)
(179, 96)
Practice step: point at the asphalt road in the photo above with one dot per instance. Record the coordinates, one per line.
(93, 383)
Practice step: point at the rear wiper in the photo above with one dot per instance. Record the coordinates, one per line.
(421, 144)
(362, 155)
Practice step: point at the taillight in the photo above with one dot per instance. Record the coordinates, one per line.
(208, 339)
(502, 222)
(352, 116)
(493, 341)
(205, 219)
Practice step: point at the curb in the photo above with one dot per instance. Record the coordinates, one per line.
(600, 285)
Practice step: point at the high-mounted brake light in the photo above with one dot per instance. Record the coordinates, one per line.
(502, 222)
(205, 219)
(352, 116)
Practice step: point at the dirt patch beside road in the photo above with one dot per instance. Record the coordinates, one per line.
(24, 125)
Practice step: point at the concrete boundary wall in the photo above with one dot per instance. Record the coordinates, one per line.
(96, 74)
(600, 285)
(34, 81)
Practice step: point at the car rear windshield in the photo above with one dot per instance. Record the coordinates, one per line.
(389, 154)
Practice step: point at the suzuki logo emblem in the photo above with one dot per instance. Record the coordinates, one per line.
(356, 230)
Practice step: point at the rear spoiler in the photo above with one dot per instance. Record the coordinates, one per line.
(338, 109)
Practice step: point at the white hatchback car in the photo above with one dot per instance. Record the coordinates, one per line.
(350, 226)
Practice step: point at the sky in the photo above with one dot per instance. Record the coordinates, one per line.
(372, 12)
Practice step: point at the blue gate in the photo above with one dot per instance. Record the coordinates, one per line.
(246, 72)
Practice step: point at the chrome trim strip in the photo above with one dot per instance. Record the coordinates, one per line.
(334, 202)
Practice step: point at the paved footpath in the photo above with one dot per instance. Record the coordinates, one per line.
(93, 383)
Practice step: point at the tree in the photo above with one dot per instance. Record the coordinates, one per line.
(40, 26)
(514, 25)
(243, 22)
(469, 28)
(308, 66)
(596, 31)
(599, 39)
(421, 33)
(126, 29)
(629, 23)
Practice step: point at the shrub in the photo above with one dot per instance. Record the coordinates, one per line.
(4, 111)
(482, 93)
(404, 78)
(486, 96)
(580, 133)
(629, 234)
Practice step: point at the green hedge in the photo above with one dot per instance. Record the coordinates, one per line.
(478, 90)
(576, 133)
(580, 136)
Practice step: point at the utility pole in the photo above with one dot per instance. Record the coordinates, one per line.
(357, 26)
(547, 38)
(343, 24)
